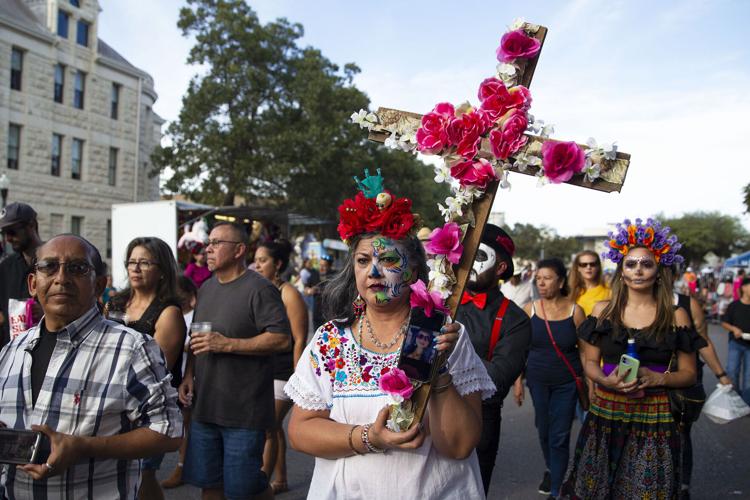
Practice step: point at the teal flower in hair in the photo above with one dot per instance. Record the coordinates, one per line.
(371, 186)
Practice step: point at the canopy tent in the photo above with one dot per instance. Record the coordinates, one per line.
(741, 260)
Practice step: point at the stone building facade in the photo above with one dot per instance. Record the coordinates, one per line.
(77, 126)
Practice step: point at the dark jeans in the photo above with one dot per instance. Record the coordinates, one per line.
(554, 408)
(489, 441)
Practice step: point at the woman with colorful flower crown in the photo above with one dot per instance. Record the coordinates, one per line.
(629, 445)
(341, 400)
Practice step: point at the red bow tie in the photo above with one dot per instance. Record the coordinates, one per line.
(479, 300)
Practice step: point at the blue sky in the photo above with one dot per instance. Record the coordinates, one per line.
(667, 80)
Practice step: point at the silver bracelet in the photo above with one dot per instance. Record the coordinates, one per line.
(366, 440)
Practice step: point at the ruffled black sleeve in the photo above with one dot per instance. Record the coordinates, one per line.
(688, 340)
(591, 331)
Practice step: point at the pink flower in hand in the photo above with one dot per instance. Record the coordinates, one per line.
(432, 135)
(561, 160)
(474, 173)
(446, 241)
(515, 44)
(428, 301)
(396, 384)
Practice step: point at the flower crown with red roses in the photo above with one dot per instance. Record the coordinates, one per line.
(375, 210)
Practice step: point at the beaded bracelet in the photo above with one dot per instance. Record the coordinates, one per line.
(351, 443)
(366, 440)
(440, 388)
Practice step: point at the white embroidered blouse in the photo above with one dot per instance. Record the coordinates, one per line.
(335, 373)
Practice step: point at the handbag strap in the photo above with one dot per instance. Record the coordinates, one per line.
(496, 326)
(557, 349)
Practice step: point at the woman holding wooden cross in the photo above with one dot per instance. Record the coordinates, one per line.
(340, 412)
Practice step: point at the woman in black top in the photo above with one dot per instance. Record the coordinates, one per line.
(629, 445)
(150, 306)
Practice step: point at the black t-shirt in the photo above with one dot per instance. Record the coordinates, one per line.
(13, 285)
(40, 358)
(236, 390)
(738, 314)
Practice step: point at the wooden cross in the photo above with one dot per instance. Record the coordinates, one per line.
(611, 178)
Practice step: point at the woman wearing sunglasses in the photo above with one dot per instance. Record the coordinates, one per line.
(150, 305)
(586, 281)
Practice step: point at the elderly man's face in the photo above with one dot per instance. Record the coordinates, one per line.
(64, 281)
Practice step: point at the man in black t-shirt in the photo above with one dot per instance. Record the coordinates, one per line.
(480, 307)
(20, 229)
(230, 372)
(737, 320)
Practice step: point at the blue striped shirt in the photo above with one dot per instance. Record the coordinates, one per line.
(103, 379)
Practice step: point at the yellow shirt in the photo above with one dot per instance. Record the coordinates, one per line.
(592, 296)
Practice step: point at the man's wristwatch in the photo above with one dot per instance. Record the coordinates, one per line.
(722, 374)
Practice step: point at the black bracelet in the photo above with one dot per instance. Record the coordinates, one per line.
(722, 374)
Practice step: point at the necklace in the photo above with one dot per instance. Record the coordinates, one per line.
(401, 331)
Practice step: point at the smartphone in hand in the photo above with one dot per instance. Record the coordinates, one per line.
(628, 365)
(23, 447)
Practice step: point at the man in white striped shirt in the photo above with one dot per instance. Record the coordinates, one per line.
(100, 391)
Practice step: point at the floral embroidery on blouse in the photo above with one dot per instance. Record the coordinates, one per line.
(349, 368)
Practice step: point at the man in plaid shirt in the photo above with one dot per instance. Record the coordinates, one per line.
(100, 391)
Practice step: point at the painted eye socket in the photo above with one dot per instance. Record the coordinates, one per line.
(362, 261)
(481, 256)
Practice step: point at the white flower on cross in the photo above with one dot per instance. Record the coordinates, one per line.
(523, 161)
(592, 170)
(507, 73)
(607, 150)
(364, 119)
(442, 174)
(504, 184)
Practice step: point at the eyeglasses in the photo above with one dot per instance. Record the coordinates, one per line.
(73, 267)
(215, 243)
(142, 264)
(588, 264)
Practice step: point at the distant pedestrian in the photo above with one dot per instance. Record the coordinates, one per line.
(553, 365)
(737, 284)
(150, 305)
(737, 321)
(271, 260)
(20, 229)
(586, 281)
(196, 269)
(518, 288)
(230, 371)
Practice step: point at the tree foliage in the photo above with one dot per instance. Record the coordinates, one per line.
(536, 242)
(703, 232)
(268, 120)
(746, 192)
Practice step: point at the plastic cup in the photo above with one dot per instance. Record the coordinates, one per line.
(201, 327)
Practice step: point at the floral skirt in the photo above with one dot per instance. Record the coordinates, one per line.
(627, 449)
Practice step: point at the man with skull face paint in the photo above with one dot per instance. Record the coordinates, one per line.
(484, 309)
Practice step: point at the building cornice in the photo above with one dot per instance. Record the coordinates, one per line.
(130, 70)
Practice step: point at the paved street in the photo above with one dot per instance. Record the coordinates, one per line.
(722, 455)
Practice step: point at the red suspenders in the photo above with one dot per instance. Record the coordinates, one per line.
(496, 327)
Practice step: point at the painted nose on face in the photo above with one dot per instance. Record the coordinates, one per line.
(374, 272)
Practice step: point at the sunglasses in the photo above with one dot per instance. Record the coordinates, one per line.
(587, 264)
(424, 336)
(73, 267)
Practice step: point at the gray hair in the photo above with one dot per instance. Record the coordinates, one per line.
(341, 290)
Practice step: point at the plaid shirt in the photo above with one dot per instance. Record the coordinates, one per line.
(103, 379)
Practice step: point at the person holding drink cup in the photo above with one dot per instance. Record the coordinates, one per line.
(239, 323)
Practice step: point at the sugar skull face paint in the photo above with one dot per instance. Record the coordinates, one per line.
(382, 269)
(484, 260)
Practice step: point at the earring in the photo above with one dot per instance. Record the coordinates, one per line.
(359, 306)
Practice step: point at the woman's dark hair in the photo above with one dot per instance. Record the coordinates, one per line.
(279, 251)
(341, 290)
(411, 346)
(559, 268)
(166, 289)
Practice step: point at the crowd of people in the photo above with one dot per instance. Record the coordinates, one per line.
(210, 359)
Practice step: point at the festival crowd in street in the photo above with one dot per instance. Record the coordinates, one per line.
(209, 358)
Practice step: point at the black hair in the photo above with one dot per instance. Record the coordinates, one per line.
(166, 289)
(239, 231)
(745, 281)
(556, 265)
(279, 251)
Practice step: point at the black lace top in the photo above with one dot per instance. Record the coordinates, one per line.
(650, 350)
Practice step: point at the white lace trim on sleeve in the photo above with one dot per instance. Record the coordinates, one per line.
(468, 371)
(303, 395)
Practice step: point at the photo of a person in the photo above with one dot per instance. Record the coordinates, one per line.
(418, 353)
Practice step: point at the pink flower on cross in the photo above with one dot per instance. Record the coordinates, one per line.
(429, 301)
(477, 173)
(561, 160)
(517, 44)
(446, 241)
(432, 136)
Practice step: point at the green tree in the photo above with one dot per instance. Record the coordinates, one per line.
(268, 121)
(703, 232)
(532, 242)
(746, 192)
